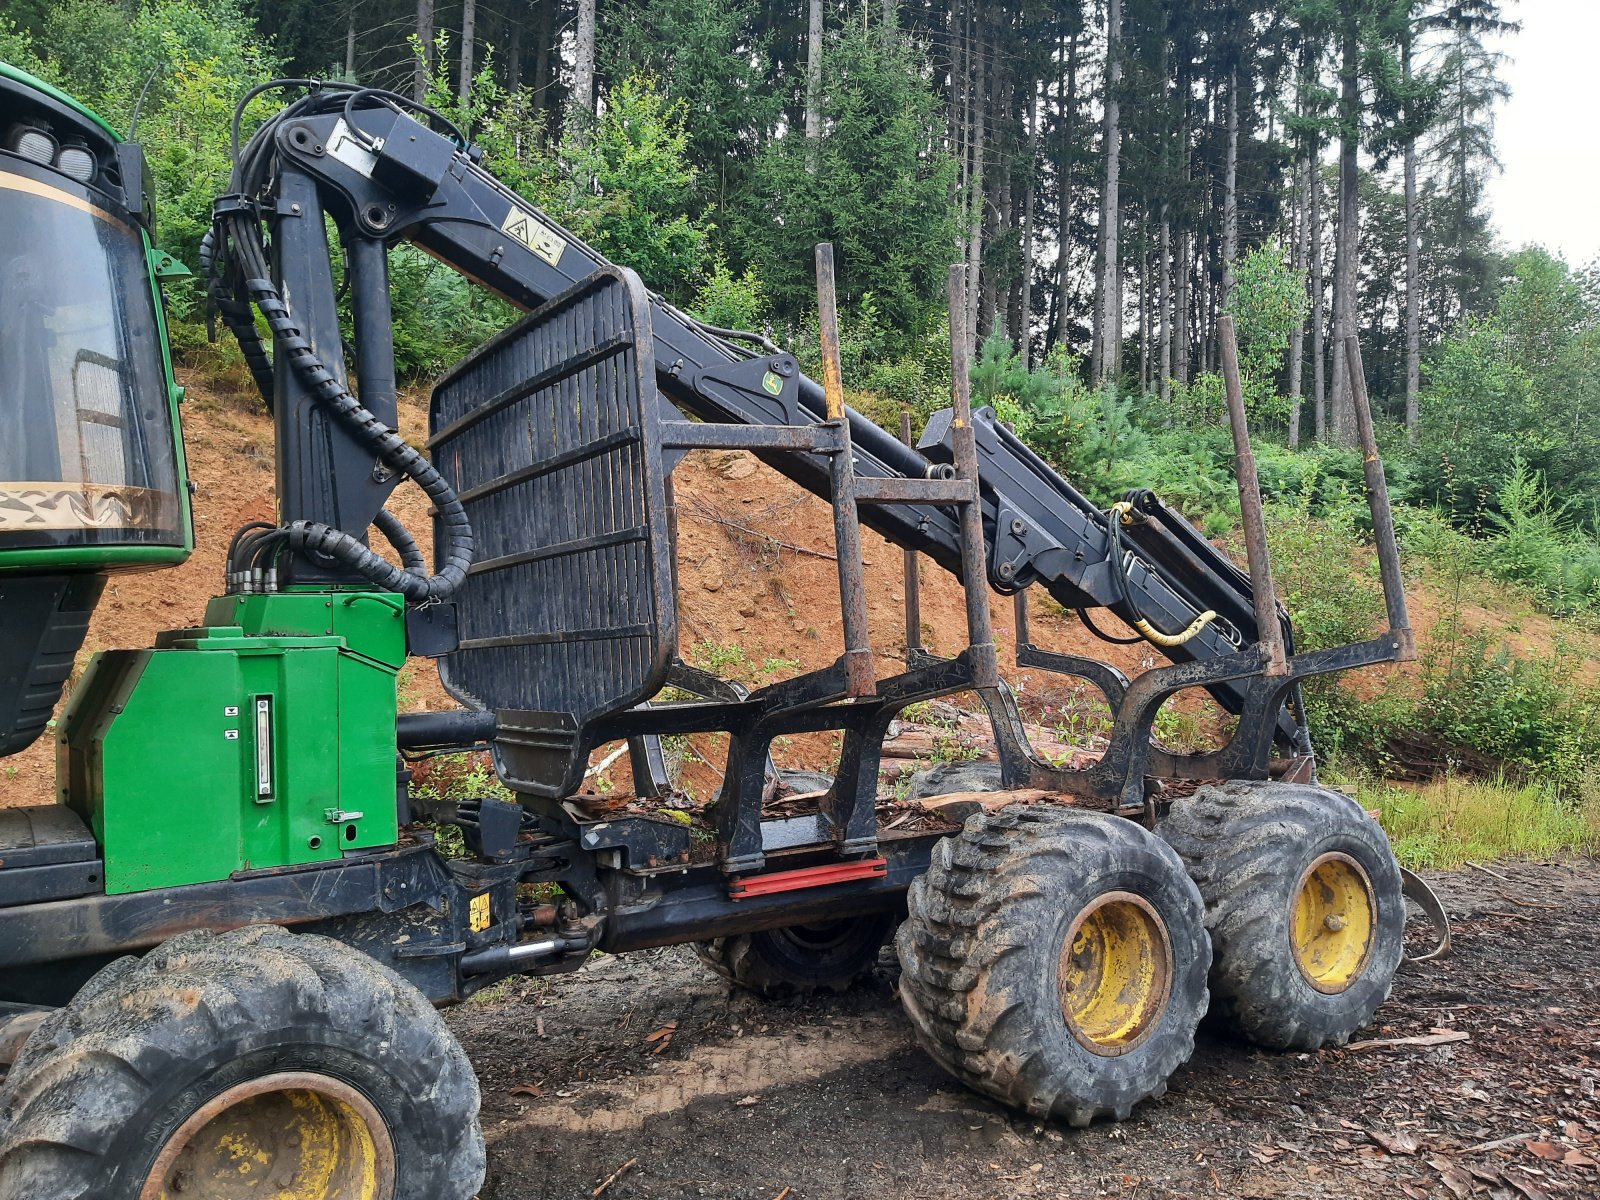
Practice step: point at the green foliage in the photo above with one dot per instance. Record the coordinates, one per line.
(1524, 380)
(1198, 404)
(438, 315)
(884, 369)
(731, 661)
(1526, 713)
(1268, 304)
(632, 183)
(1454, 820)
(876, 184)
(712, 59)
(1092, 435)
(1333, 598)
(16, 48)
(622, 186)
(731, 301)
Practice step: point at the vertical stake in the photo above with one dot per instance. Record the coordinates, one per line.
(913, 581)
(1394, 588)
(828, 324)
(974, 555)
(1269, 630)
(861, 676)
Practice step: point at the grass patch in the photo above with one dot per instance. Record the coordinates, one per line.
(1451, 820)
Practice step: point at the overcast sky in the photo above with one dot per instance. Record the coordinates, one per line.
(1548, 133)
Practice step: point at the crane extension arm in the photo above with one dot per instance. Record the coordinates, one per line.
(383, 176)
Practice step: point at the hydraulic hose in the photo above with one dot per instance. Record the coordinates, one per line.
(1119, 570)
(404, 544)
(309, 537)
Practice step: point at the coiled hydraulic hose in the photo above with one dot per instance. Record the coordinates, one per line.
(392, 450)
(410, 580)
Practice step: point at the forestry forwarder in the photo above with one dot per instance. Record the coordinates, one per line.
(166, 1032)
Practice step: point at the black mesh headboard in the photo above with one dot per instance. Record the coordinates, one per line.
(549, 433)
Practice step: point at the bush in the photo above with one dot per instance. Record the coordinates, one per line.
(731, 301)
(1527, 713)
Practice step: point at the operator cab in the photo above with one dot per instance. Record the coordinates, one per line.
(90, 462)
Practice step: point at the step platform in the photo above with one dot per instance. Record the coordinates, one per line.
(46, 853)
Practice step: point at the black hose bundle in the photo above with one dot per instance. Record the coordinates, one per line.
(234, 258)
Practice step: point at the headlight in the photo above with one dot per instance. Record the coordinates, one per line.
(76, 161)
(32, 143)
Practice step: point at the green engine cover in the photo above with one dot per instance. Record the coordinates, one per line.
(265, 738)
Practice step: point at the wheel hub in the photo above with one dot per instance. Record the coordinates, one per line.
(1332, 922)
(295, 1135)
(1116, 973)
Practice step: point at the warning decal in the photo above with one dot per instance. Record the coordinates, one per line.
(533, 235)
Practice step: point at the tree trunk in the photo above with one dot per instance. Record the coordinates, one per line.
(1319, 308)
(422, 69)
(1144, 305)
(814, 73)
(514, 57)
(997, 204)
(1230, 190)
(1181, 265)
(1344, 281)
(1106, 357)
(1297, 336)
(1069, 113)
(1163, 304)
(1413, 300)
(469, 33)
(350, 45)
(1180, 308)
(541, 55)
(1024, 323)
(581, 102)
(975, 215)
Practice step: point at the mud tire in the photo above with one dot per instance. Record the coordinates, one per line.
(802, 959)
(1247, 846)
(981, 950)
(102, 1085)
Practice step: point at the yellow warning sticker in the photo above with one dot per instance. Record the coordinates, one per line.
(478, 916)
(536, 237)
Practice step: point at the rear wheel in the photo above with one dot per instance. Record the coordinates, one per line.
(1055, 960)
(1303, 901)
(827, 956)
(254, 1062)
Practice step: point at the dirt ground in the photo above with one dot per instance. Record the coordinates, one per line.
(649, 1059)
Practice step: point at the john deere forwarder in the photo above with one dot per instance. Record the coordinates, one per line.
(221, 950)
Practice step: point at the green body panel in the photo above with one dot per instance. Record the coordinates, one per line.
(159, 750)
(104, 559)
(371, 623)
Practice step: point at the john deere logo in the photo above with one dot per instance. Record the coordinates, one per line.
(772, 383)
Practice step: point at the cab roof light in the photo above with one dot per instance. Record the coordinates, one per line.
(33, 143)
(77, 162)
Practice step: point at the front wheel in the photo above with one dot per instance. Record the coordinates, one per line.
(1303, 901)
(254, 1062)
(1055, 960)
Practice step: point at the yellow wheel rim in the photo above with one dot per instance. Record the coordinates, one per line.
(1333, 920)
(1116, 973)
(289, 1136)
